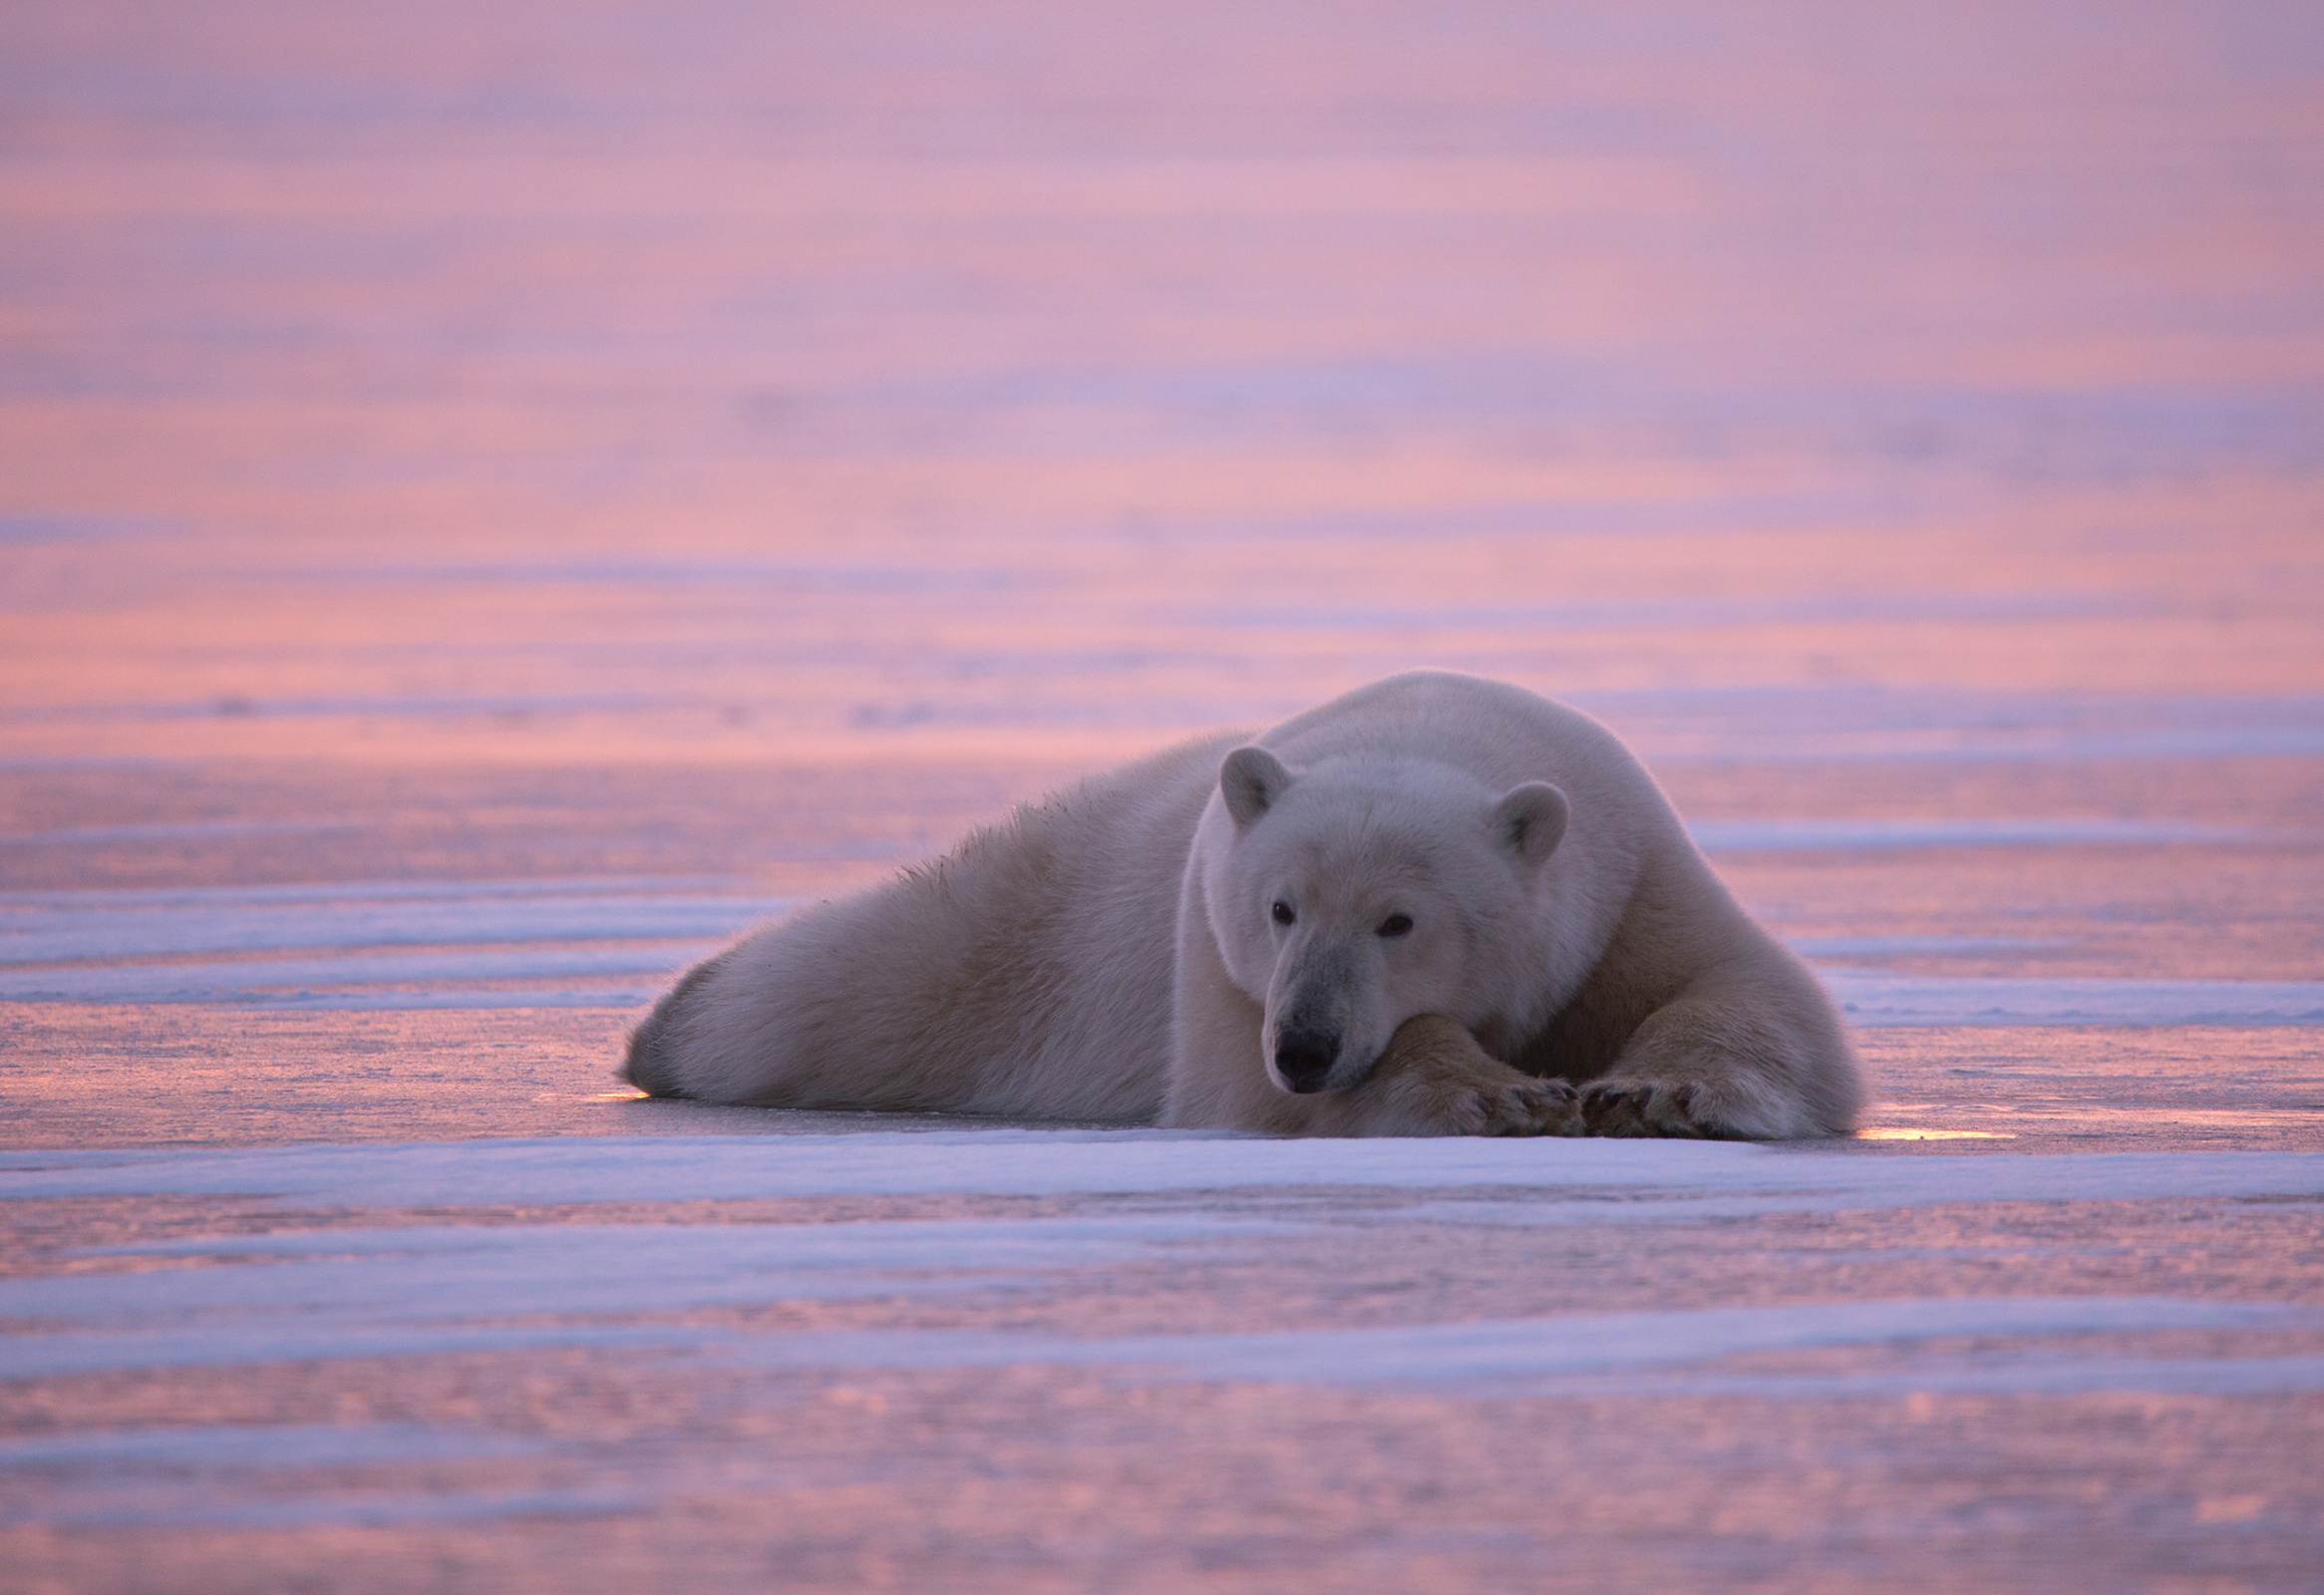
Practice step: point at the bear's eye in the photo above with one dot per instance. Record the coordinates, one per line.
(1284, 914)
(1395, 925)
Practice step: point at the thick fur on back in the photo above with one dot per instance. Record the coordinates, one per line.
(1026, 973)
(1108, 955)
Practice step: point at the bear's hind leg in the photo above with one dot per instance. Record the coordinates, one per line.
(652, 1064)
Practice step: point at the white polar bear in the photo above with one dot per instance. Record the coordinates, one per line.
(1437, 905)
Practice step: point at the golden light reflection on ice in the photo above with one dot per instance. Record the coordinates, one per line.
(1907, 1132)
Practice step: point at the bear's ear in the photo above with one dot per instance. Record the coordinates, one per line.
(1251, 780)
(1529, 821)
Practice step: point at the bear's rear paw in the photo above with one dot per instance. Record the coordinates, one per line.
(1650, 1107)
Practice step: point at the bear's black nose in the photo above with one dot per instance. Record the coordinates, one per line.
(1304, 1057)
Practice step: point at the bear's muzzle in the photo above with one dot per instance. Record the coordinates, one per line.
(1304, 1059)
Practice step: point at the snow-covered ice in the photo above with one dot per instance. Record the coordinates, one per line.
(501, 501)
(1038, 1162)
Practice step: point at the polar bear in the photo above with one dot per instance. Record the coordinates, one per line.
(1437, 905)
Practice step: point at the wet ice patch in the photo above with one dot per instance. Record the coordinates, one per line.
(1502, 1351)
(1871, 997)
(2008, 1370)
(51, 943)
(204, 1506)
(391, 1001)
(224, 1445)
(1762, 724)
(54, 931)
(280, 981)
(353, 891)
(171, 830)
(1833, 836)
(1891, 946)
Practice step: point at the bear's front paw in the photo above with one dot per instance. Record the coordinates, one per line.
(1649, 1107)
(1528, 1108)
(1436, 1080)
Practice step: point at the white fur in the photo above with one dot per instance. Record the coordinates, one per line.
(1114, 953)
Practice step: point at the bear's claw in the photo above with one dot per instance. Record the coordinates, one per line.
(1435, 1080)
(1533, 1108)
(1634, 1108)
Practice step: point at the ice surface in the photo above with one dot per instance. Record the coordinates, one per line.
(1868, 998)
(172, 981)
(2009, 1372)
(173, 831)
(265, 1342)
(213, 1445)
(354, 892)
(296, 1295)
(145, 934)
(199, 1507)
(1806, 722)
(425, 1289)
(623, 469)
(1885, 946)
(416, 1290)
(1816, 836)
(446, 980)
(1591, 1175)
(39, 934)
(178, 1475)
(152, 982)
(1523, 1349)
(422, 1272)
(451, 999)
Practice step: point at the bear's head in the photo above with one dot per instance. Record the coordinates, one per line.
(1357, 893)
